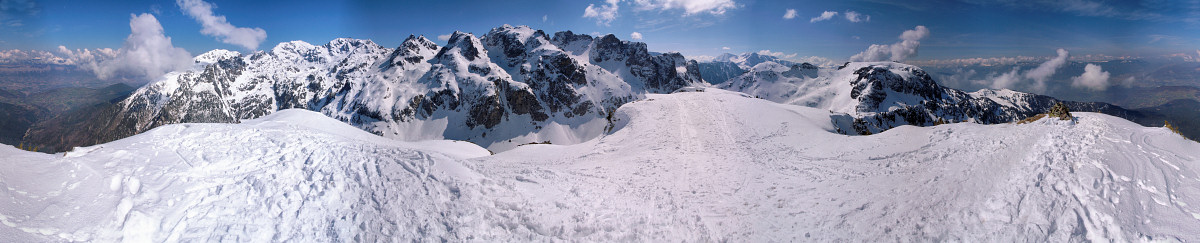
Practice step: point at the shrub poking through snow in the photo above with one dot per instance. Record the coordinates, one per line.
(1032, 118)
(1168, 125)
(1060, 110)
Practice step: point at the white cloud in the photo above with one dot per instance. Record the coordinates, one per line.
(857, 17)
(790, 14)
(777, 54)
(445, 37)
(703, 58)
(1006, 80)
(824, 16)
(725, 48)
(86, 58)
(217, 26)
(689, 7)
(635, 36)
(815, 60)
(1047, 69)
(545, 17)
(988, 61)
(906, 48)
(795, 57)
(147, 52)
(604, 14)
(1092, 78)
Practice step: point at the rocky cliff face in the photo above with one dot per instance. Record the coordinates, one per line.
(514, 85)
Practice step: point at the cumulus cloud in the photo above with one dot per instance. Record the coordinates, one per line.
(795, 57)
(1006, 80)
(827, 15)
(725, 48)
(88, 59)
(217, 26)
(1092, 78)
(815, 60)
(857, 17)
(1047, 69)
(445, 37)
(635, 36)
(790, 14)
(906, 48)
(604, 14)
(147, 52)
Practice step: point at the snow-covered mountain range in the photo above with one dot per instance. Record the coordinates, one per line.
(876, 96)
(727, 66)
(513, 86)
(710, 165)
(517, 85)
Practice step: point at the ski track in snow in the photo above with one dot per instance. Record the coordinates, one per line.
(695, 166)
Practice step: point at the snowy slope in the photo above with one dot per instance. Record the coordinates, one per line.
(290, 176)
(694, 166)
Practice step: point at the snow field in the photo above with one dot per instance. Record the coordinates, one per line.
(692, 166)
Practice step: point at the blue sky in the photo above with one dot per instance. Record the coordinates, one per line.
(957, 29)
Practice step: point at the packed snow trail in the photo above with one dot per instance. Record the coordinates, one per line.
(693, 166)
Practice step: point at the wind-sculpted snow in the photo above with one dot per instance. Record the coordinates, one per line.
(883, 95)
(702, 165)
(512, 86)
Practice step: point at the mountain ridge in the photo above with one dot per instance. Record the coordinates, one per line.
(418, 90)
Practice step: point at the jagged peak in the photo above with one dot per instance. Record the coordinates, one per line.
(349, 44)
(292, 46)
(610, 38)
(464, 44)
(521, 31)
(414, 43)
(520, 34)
